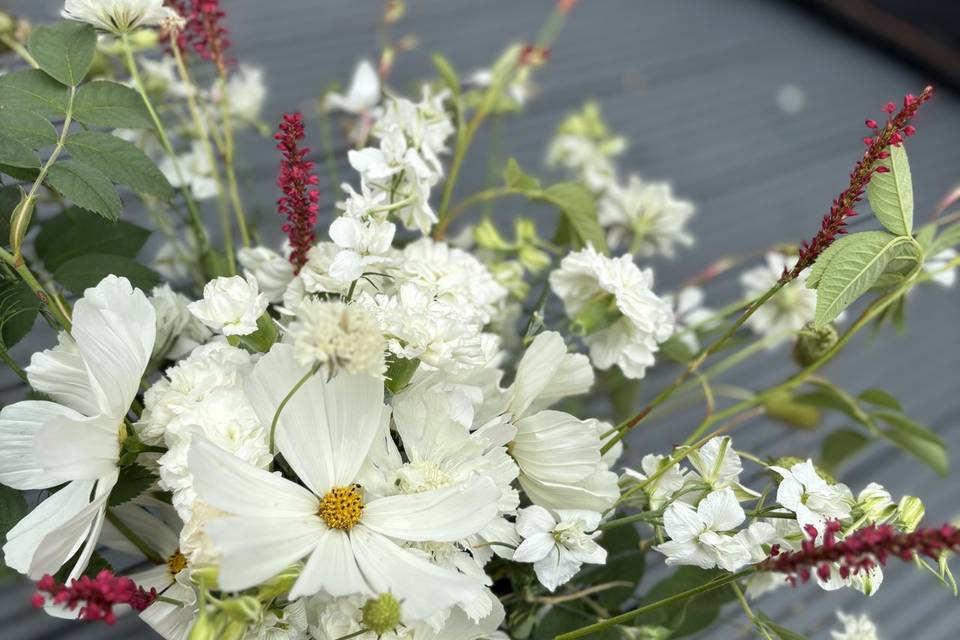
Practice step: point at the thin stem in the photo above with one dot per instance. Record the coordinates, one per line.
(10, 362)
(283, 403)
(11, 43)
(749, 612)
(24, 272)
(228, 161)
(329, 153)
(137, 541)
(678, 597)
(477, 198)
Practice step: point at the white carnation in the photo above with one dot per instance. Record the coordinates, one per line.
(231, 305)
(272, 271)
(646, 217)
(178, 332)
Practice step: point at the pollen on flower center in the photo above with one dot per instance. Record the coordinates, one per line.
(341, 507)
(176, 563)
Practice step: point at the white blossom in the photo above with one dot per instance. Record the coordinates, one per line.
(790, 309)
(362, 94)
(119, 16)
(191, 169)
(272, 271)
(665, 486)
(230, 305)
(717, 465)
(936, 266)
(337, 335)
(558, 545)
(245, 94)
(178, 331)
(645, 217)
(810, 497)
(699, 536)
(855, 627)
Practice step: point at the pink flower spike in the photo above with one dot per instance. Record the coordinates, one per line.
(96, 596)
(871, 123)
(299, 201)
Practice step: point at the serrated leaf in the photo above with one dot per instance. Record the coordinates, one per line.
(903, 263)
(64, 50)
(915, 439)
(33, 90)
(27, 127)
(19, 173)
(947, 238)
(19, 307)
(76, 232)
(86, 187)
(133, 481)
(108, 104)
(515, 177)
(81, 272)
(853, 270)
(580, 209)
(16, 154)
(839, 447)
(447, 73)
(782, 633)
(880, 398)
(120, 161)
(891, 193)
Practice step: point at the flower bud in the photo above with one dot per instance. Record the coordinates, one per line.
(203, 629)
(910, 512)
(487, 236)
(533, 259)
(245, 609)
(783, 407)
(381, 614)
(875, 503)
(7, 23)
(812, 344)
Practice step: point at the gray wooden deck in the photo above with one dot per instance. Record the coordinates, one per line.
(693, 85)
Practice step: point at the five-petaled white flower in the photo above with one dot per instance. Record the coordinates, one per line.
(231, 305)
(788, 311)
(558, 544)
(812, 498)
(698, 536)
(362, 94)
(717, 465)
(92, 375)
(350, 537)
(119, 16)
(854, 627)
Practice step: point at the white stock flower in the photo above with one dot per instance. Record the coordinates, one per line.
(191, 169)
(936, 266)
(348, 536)
(810, 497)
(230, 305)
(854, 627)
(558, 545)
(364, 244)
(646, 320)
(790, 309)
(362, 94)
(645, 217)
(272, 271)
(92, 377)
(698, 536)
(717, 465)
(119, 16)
(592, 162)
(665, 486)
(337, 335)
(178, 332)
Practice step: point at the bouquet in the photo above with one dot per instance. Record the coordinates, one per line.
(381, 427)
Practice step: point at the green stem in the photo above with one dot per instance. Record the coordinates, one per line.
(283, 403)
(477, 198)
(10, 362)
(228, 162)
(137, 541)
(619, 522)
(329, 154)
(15, 46)
(749, 612)
(24, 272)
(678, 597)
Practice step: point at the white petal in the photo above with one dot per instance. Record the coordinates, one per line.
(682, 522)
(332, 568)
(61, 374)
(686, 553)
(150, 529)
(422, 587)
(171, 621)
(720, 510)
(78, 449)
(556, 569)
(228, 483)
(256, 548)
(364, 91)
(114, 326)
(534, 519)
(537, 367)
(19, 424)
(445, 514)
(535, 548)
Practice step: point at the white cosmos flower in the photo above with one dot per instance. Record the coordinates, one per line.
(854, 627)
(546, 374)
(630, 341)
(936, 265)
(338, 336)
(646, 217)
(788, 311)
(272, 271)
(362, 94)
(92, 379)
(698, 536)
(717, 465)
(191, 169)
(119, 16)
(230, 305)
(810, 497)
(348, 537)
(663, 488)
(558, 545)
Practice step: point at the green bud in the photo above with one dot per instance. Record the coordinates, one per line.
(7, 24)
(399, 372)
(245, 609)
(875, 503)
(204, 628)
(533, 259)
(381, 614)
(144, 38)
(279, 584)
(600, 312)
(510, 275)
(260, 340)
(812, 344)
(782, 407)
(910, 512)
(205, 575)
(487, 236)
(20, 221)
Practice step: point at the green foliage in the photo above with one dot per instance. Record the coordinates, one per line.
(133, 481)
(625, 563)
(13, 507)
(19, 306)
(26, 127)
(880, 398)
(120, 161)
(949, 237)
(891, 193)
(447, 74)
(64, 50)
(86, 187)
(916, 439)
(16, 154)
(580, 209)
(77, 232)
(34, 91)
(108, 104)
(839, 447)
(781, 633)
(81, 272)
(691, 615)
(515, 177)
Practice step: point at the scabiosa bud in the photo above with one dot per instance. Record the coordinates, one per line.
(299, 200)
(813, 343)
(96, 597)
(381, 614)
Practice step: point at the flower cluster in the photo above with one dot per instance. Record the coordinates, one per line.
(204, 31)
(296, 180)
(95, 596)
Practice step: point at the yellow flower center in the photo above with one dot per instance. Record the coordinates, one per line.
(176, 563)
(341, 507)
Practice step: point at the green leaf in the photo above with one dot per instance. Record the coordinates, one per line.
(81, 272)
(16, 154)
(903, 263)
(839, 447)
(947, 238)
(781, 632)
(692, 614)
(514, 177)
(9, 200)
(580, 208)
(19, 173)
(823, 260)
(625, 563)
(133, 481)
(19, 306)
(27, 127)
(447, 73)
(76, 232)
(891, 193)
(915, 439)
(64, 50)
(120, 161)
(13, 507)
(108, 104)
(33, 90)
(565, 617)
(853, 270)
(86, 187)
(880, 398)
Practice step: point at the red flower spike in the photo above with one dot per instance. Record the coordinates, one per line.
(204, 31)
(834, 222)
(299, 202)
(871, 123)
(96, 597)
